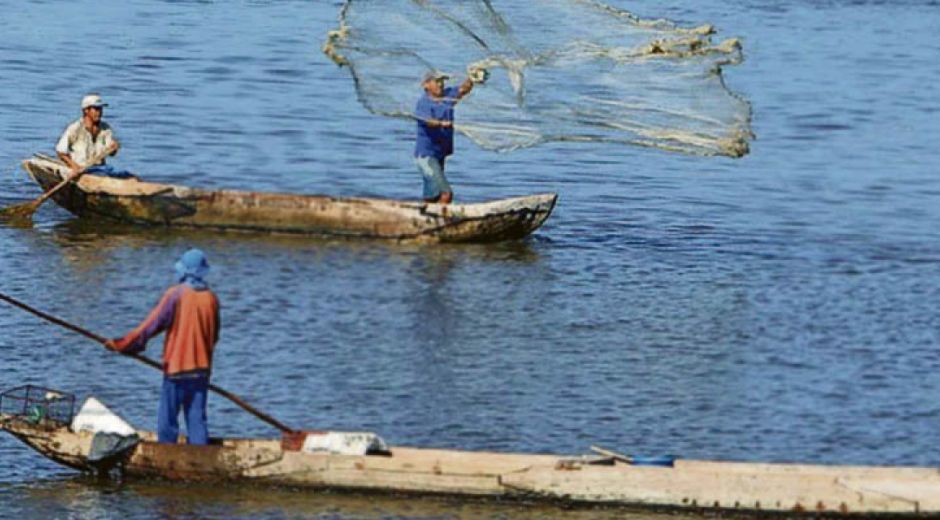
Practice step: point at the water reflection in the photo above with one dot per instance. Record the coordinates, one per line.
(87, 242)
(432, 314)
(88, 497)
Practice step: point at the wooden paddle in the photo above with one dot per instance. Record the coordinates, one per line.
(147, 361)
(612, 454)
(25, 210)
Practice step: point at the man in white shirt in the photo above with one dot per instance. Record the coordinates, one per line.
(87, 138)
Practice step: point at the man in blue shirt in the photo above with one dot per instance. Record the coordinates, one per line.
(435, 137)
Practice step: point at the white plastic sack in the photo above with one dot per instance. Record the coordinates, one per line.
(96, 417)
(343, 443)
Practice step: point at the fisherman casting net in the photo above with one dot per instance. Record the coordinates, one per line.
(560, 70)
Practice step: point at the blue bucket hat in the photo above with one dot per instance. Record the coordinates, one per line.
(192, 267)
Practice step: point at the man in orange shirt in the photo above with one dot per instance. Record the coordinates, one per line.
(189, 313)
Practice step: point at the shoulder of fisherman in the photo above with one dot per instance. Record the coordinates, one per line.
(189, 314)
(437, 108)
(78, 141)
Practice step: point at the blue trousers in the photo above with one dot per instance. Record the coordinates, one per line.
(432, 173)
(189, 394)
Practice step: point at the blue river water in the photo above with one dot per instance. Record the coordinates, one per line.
(778, 307)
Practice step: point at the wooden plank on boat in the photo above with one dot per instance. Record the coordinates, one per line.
(785, 489)
(415, 482)
(408, 469)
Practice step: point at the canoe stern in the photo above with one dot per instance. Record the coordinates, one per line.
(51, 440)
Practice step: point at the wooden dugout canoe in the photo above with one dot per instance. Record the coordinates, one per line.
(168, 205)
(690, 485)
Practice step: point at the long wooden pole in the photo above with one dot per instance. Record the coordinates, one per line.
(147, 361)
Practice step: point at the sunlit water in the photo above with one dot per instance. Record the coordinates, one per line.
(779, 307)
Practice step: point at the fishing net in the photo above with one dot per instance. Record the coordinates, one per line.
(560, 70)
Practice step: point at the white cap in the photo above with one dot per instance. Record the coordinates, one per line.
(93, 100)
(433, 75)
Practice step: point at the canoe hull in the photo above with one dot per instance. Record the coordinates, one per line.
(169, 205)
(689, 485)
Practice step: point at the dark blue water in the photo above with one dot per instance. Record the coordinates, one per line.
(778, 307)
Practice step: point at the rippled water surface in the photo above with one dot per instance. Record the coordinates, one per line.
(778, 307)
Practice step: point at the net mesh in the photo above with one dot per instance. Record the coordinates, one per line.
(560, 70)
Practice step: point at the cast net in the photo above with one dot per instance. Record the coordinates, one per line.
(560, 70)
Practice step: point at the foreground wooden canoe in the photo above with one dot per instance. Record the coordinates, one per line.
(692, 485)
(169, 205)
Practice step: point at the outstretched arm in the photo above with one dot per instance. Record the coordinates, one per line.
(475, 75)
(434, 123)
(67, 159)
(159, 319)
(465, 88)
(423, 116)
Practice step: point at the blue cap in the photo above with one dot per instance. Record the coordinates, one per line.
(192, 263)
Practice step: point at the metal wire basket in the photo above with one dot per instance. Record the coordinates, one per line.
(37, 405)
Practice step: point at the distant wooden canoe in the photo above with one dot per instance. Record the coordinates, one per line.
(168, 205)
(699, 486)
